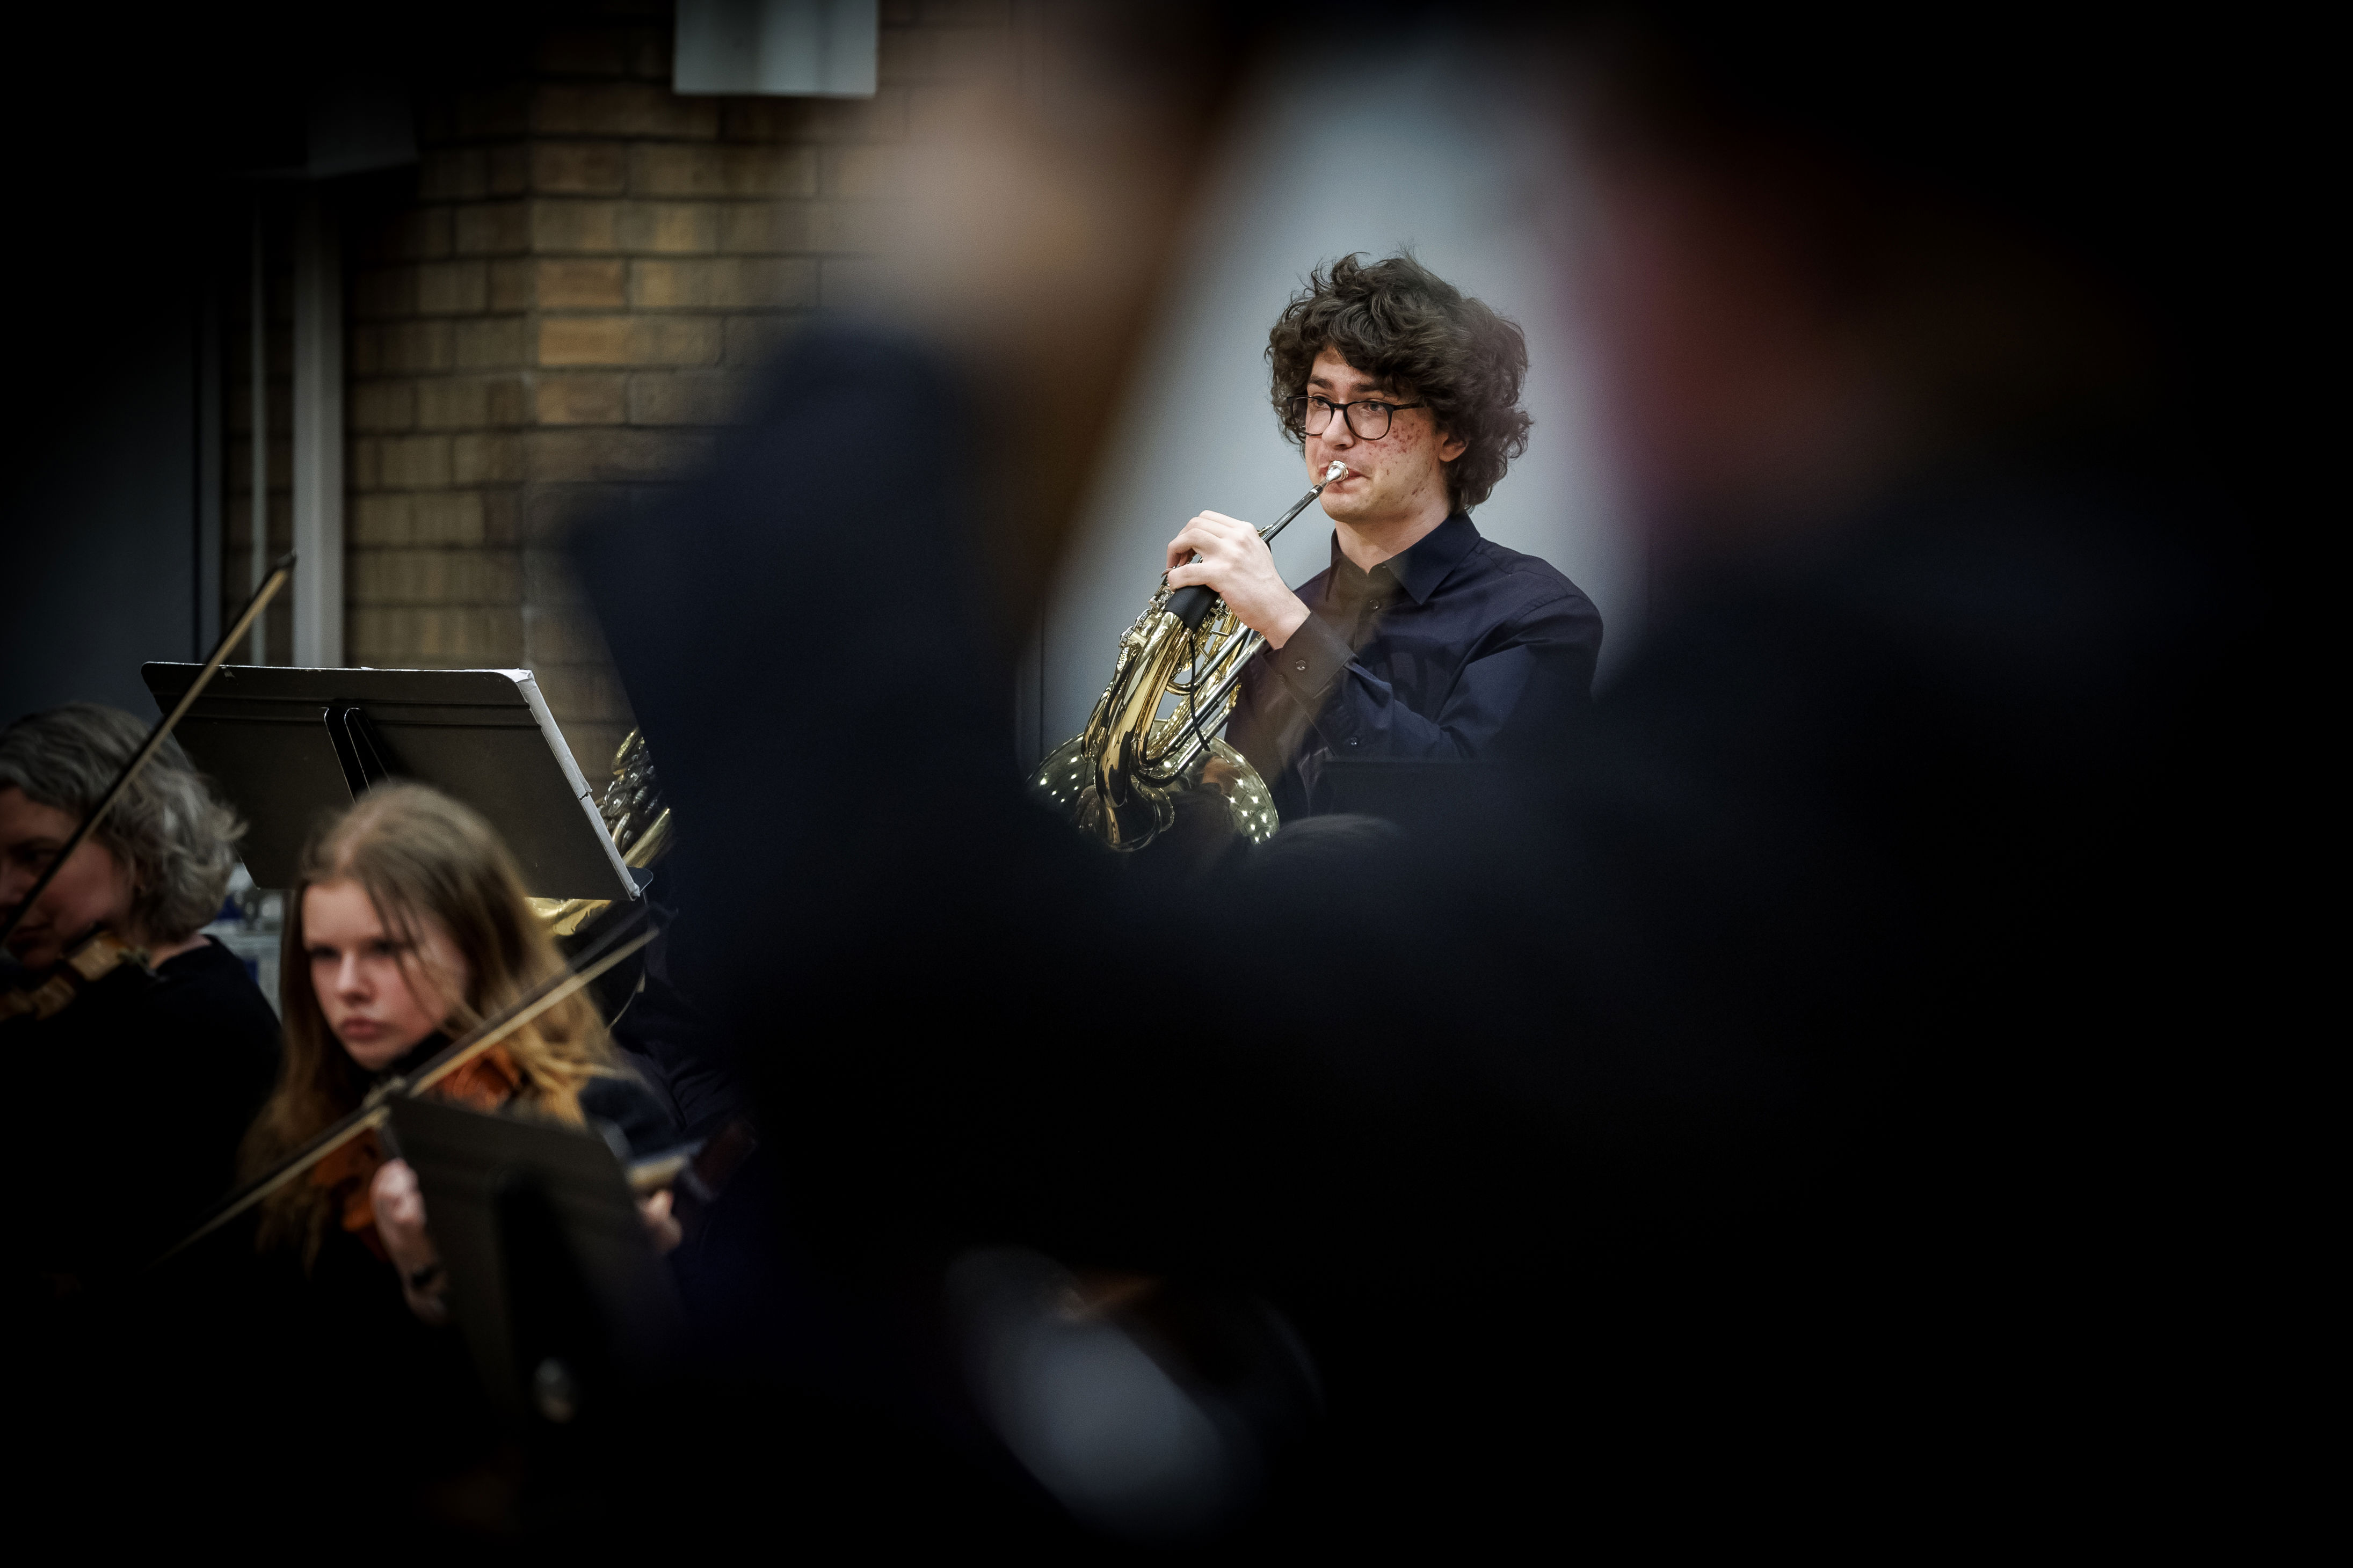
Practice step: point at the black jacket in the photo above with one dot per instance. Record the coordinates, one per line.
(1434, 654)
(131, 1103)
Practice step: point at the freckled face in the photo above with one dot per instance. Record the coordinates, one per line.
(379, 994)
(1399, 478)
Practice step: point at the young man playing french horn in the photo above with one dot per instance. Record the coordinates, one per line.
(1423, 639)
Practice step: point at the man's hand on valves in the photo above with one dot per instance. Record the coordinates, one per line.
(1237, 564)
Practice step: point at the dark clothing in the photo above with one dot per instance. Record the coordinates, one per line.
(683, 1055)
(1433, 654)
(1768, 1113)
(166, 1072)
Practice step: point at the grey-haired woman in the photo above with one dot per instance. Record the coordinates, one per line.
(164, 1061)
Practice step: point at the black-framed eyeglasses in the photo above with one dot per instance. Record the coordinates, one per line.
(1369, 417)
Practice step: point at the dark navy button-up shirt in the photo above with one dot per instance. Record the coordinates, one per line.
(1433, 654)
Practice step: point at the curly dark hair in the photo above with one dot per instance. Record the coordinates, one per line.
(1409, 329)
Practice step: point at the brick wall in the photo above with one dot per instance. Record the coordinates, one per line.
(566, 301)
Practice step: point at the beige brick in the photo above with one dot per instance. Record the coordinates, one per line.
(684, 397)
(585, 340)
(510, 169)
(383, 405)
(667, 169)
(564, 633)
(753, 340)
(452, 288)
(413, 346)
(383, 292)
(753, 229)
(491, 228)
(364, 468)
(727, 283)
(883, 117)
(420, 234)
(489, 344)
(381, 520)
(446, 637)
(559, 456)
(453, 403)
(486, 459)
(620, 109)
(584, 399)
(511, 285)
(434, 577)
(582, 285)
(502, 516)
(579, 168)
(452, 518)
(510, 402)
(863, 172)
(453, 174)
(670, 228)
(412, 463)
(575, 225)
(628, 341)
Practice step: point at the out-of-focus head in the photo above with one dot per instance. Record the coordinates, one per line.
(1395, 330)
(1040, 219)
(1822, 258)
(153, 871)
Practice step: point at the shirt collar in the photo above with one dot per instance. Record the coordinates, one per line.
(1425, 564)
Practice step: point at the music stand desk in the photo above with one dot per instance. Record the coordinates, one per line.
(288, 747)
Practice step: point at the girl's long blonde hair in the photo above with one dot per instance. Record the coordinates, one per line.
(420, 855)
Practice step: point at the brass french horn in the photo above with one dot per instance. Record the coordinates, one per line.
(637, 816)
(1155, 733)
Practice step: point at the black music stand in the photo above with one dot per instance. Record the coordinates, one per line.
(287, 746)
(566, 1309)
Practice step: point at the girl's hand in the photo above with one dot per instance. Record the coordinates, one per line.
(399, 1205)
(660, 1224)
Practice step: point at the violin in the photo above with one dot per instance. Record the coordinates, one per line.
(93, 959)
(486, 1082)
(475, 1070)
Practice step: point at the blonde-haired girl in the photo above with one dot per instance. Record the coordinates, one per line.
(408, 925)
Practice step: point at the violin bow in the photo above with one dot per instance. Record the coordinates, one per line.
(548, 992)
(155, 739)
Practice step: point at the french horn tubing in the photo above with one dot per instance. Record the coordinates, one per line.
(1155, 733)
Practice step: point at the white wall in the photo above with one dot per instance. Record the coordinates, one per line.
(1427, 147)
